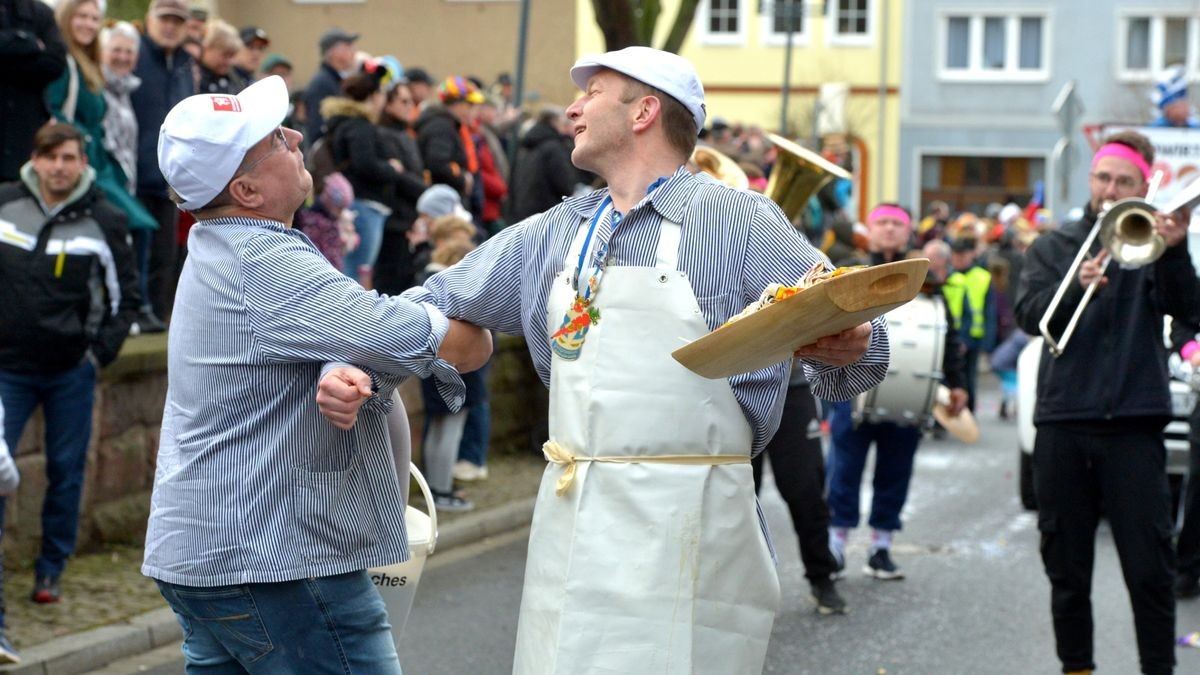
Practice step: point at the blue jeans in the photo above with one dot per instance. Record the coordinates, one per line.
(895, 448)
(332, 624)
(369, 225)
(66, 399)
(142, 239)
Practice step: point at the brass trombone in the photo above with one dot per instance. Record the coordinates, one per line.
(1126, 231)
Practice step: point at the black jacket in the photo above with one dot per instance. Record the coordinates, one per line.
(166, 80)
(358, 148)
(411, 184)
(326, 83)
(32, 55)
(69, 281)
(543, 174)
(442, 147)
(1114, 369)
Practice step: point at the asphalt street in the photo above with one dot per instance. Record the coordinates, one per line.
(975, 599)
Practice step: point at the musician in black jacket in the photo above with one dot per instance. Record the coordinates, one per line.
(1101, 408)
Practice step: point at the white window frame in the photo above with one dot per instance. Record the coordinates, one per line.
(766, 24)
(706, 37)
(1157, 36)
(835, 39)
(975, 72)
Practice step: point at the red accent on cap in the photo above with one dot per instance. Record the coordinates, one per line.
(226, 104)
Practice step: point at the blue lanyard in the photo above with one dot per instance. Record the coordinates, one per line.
(604, 205)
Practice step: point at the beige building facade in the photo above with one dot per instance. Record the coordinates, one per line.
(445, 37)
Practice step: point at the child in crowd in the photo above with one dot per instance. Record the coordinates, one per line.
(329, 222)
(451, 240)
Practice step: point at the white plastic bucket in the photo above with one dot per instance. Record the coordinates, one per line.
(397, 583)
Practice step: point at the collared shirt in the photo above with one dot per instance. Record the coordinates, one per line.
(252, 484)
(733, 245)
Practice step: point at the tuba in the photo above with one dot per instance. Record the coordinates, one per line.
(719, 166)
(798, 174)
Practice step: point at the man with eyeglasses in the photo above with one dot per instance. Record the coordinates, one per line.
(265, 515)
(1101, 409)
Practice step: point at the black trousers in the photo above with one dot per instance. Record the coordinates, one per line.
(164, 273)
(799, 469)
(1188, 546)
(1126, 470)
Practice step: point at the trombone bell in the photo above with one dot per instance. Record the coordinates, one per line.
(1127, 231)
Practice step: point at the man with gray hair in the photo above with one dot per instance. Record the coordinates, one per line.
(264, 515)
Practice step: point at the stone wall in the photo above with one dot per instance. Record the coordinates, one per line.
(125, 428)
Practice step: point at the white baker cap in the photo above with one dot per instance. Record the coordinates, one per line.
(205, 137)
(667, 72)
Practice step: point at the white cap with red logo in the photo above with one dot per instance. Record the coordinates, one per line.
(205, 137)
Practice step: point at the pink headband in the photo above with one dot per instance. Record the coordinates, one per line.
(887, 211)
(1122, 151)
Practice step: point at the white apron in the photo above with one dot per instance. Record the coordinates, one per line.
(646, 566)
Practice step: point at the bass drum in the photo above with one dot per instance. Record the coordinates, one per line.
(917, 334)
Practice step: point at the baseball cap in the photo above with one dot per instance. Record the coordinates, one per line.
(669, 73)
(205, 137)
(251, 33)
(441, 200)
(177, 8)
(456, 88)
(335, 35)
(275, 59)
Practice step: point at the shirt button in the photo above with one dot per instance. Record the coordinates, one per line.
(611, 260)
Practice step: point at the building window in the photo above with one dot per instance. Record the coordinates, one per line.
(848, 22)
(1149, 43)
(775, 15)
(722, 22)
(994, 47)
(970, 183)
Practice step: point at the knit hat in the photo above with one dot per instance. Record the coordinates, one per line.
(456, 88)
(336, 194)
(441, 200)
(1171, 86)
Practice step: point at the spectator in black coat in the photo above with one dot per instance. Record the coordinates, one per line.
(32, 55)
(448, 157)
(543, 174)
(337, 60)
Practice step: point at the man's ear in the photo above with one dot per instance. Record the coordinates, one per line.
(245, 193)
(645, 111)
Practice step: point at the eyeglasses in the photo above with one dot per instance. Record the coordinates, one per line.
(1123, 182)
(278, 134)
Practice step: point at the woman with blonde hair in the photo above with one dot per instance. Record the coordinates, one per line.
(77, 98)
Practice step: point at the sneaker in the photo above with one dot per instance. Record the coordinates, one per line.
(46, 590)
(469, 471)
(147, 322)
(451, 502)
(8, 654)
(826, 597)
(1187, 585)
(880, 566)
(839, 558)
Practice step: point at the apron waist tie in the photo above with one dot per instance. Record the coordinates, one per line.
(557, 454)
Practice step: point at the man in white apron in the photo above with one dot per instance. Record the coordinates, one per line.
(647, 553)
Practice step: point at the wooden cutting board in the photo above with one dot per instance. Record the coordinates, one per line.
(772, 334)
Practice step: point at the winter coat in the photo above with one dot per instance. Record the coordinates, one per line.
(69, 278)
(494, 187)
(442, 147)
(1115, 366)
(32, 55)
(543, 173)
(359, 150)
(407, 190)
(210, 82)
(166, 80)
(326, 83)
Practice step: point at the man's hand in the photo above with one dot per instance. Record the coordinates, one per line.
(839, 350)
(958, 401)
(466, 346)
(341, 393)
(1093, 270)
(1172, 227)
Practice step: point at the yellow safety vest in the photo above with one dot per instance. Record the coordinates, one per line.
(973, 286)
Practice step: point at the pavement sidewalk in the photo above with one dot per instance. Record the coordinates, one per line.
(148, 642)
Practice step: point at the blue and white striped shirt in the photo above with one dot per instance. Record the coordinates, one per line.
(733, 245)
(252, 484)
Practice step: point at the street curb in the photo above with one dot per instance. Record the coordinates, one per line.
(94, 649)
